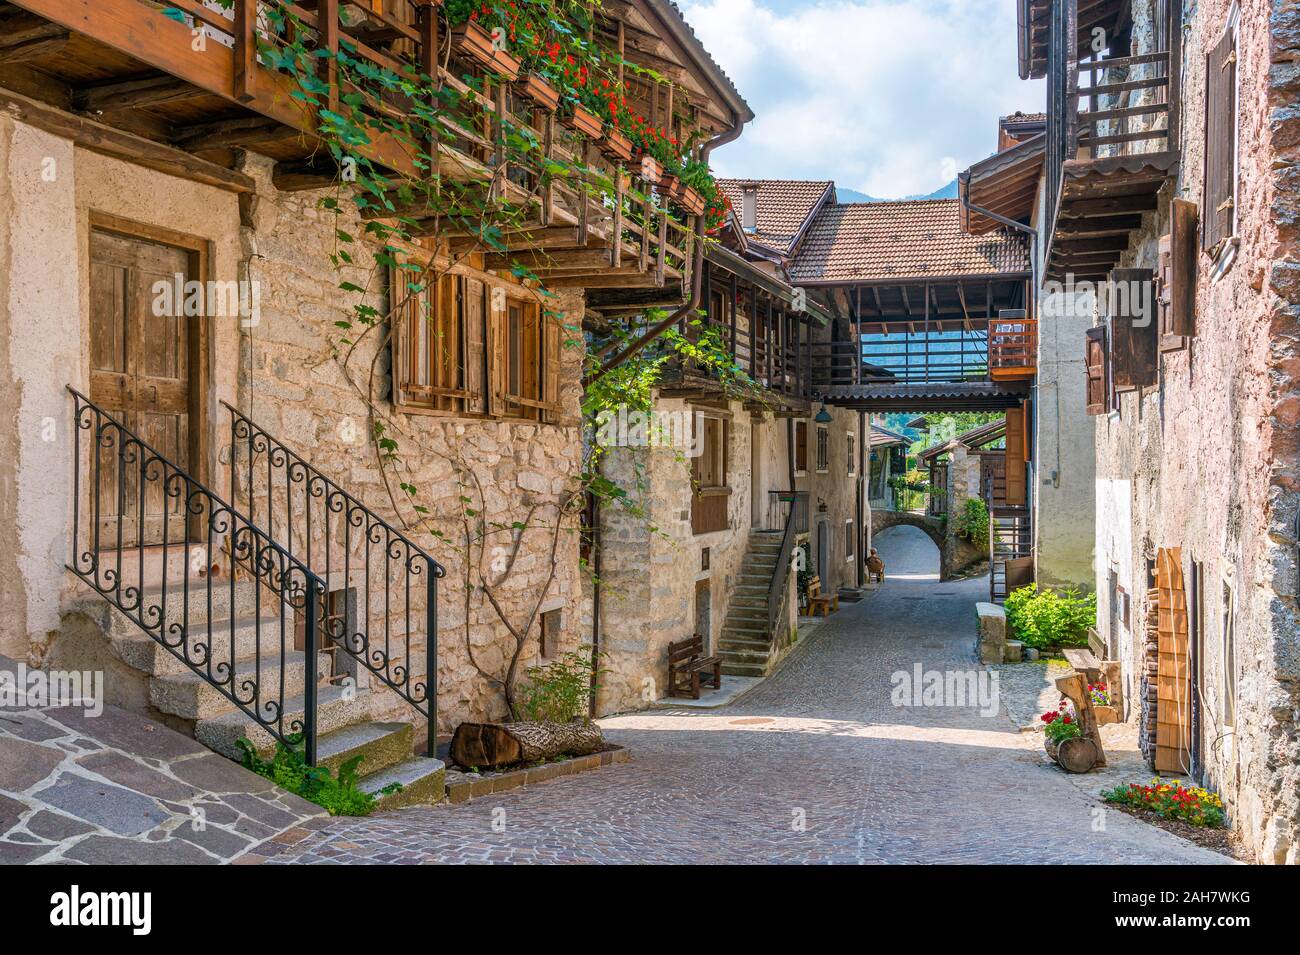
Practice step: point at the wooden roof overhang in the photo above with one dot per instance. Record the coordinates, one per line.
(1101, 204)
(1005, 183)
(940, 304)
(1033, 23)
(960, 396)
(973, 439)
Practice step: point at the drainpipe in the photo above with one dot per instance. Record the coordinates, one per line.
(697, 271)
(595, 601)
(863, 438)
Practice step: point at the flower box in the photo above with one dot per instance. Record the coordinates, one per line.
(615, 146)
(472, 41)
(691, 201)
(670, 186)
(538, 92)
(581, 121)
(652, 169)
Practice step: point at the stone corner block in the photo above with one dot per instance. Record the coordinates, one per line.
(992, 632)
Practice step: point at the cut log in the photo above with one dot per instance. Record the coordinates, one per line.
(1077, 755)
(1074, 689)
(494, 745)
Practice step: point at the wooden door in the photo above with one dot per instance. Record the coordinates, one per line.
(140, 373)
(1173, 678)
(1013, 459)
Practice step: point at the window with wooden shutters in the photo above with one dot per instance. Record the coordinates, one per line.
(1133, 330)
(1095, 363)
(1176, 278)
(1220, 141)
(801, 446)
(823, 449)
(851, 452)
(709, 473)
(428, 341)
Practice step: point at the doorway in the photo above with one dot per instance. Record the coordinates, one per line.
(704, 610)
(146, 361)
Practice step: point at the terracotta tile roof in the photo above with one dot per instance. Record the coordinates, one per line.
(1018, 117)
(916, 240)
(783, 207)
(882, 437)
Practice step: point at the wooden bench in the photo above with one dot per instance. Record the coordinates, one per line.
(1093, 670)
(688, 667)
(818, 602)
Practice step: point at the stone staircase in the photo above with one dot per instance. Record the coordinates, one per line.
(746, 643)
(147, 677)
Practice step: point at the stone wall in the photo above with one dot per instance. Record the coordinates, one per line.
(1209, 461)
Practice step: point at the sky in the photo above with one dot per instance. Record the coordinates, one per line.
(888, 97)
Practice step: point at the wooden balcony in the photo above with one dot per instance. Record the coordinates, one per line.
(1112, 143)
(126, 78)
(1013, 349)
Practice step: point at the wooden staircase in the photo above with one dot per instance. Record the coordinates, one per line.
(746, 644)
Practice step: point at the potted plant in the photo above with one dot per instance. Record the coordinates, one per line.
(652, 170)
(474, 42)
(670, 185)
(1059, 725)
(615, 145)
(538, 92)
(690, 200)
(582, 120)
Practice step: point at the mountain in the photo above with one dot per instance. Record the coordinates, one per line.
(852, 195)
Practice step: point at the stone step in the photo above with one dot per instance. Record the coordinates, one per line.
(423, 782)
(755, 657)
(749, 601)
(247, 599)
(744, 631)
(380, 745)
(146, 654)
(748, 612)
(337, 707)
(746, 645)
(743, 669)
(192, 696)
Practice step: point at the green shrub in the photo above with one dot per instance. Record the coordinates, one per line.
(972, 522)
(1049, 618)
(560, 691)
(289, 770)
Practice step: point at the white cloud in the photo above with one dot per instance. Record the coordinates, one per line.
(889, 97)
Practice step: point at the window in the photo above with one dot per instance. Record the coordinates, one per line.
(801, 447)
(851, 446)
(461, 348)
(1220, 198)
(849, 535)
(1132, 330)
(823, 449)
(1095, 363)
(1229, 695)
(552, 627)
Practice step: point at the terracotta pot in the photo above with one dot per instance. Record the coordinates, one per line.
(615, 146)
(581, 121)
(538, 92)
(473, 42)
(691, 201)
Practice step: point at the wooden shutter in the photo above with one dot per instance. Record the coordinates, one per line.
(551, 361)
(1220, 146)
(801, 446)
(1014, 457)
(1133, 353)
(1095, 363)
(496, 353)
(1177, 278)
(1028, 429)
(1173, 678)
(474, 320)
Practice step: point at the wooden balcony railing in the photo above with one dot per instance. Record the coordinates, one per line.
(1127, 105)
(607, 222)
(1013, 348)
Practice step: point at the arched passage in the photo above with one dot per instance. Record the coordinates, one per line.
(950, 549)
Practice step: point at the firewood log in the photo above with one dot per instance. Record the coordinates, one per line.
(494, 745)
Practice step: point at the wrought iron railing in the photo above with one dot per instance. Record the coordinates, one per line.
(380, 589)
(154, 541)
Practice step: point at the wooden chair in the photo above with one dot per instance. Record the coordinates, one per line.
(688, 667)
(820, 604)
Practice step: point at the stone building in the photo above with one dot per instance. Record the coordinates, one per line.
(236, 482)
(1166, 215)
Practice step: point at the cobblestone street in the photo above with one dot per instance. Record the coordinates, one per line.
(816, 765)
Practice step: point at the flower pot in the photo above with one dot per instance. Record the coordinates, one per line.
(691, 201)
(652, 170)
(581, 121)
(538, 92)
(615, 146)
(670, 186)
(1052, 747)
(473, 42)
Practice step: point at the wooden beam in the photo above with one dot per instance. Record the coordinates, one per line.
(247, 131)
(35, 49)
(120, 144)
(130, 94)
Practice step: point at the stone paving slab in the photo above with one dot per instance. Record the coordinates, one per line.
(816, 765)
(120, 789)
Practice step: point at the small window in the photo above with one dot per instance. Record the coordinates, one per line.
(552, 627)
(851, 444)
(801, 447)
(1221, 119)
(850, 535)
(823, 449)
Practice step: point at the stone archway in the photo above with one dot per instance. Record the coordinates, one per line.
(954, 553)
